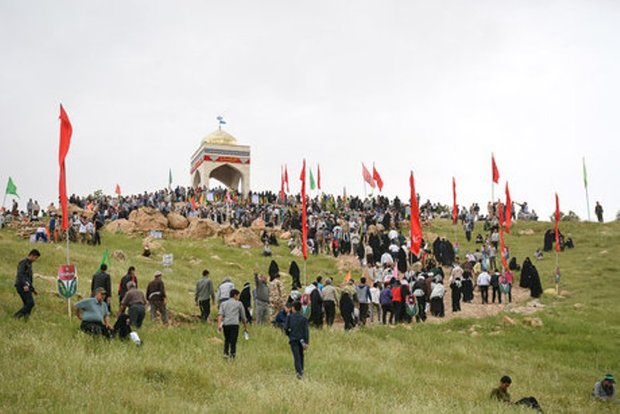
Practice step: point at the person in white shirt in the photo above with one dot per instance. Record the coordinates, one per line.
(375, 309)
(484, 280)
(386, 259)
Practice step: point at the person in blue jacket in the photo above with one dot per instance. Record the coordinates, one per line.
(296, 327)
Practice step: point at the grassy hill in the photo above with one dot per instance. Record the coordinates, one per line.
(47, 365)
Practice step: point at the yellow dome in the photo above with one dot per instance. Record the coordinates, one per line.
(220, 137)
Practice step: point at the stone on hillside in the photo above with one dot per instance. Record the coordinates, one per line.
(119, 255)
(509, 321)
(147, 219)
(226, 229)
(534, 322)
(72, 208)
(177, 221)
(243, 237)
(154, 245)
(201, 228)
(258, 224)
(579, 306)
(526, 232)
(120, 226)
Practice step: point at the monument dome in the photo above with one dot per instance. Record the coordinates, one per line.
(219, 137)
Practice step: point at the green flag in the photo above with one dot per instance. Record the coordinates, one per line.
(312, 183)
(11, 188)
(105, 259)
(585, 174)
(170, 178)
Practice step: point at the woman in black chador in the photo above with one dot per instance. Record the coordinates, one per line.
(526, 273)
(274, 270)
(536, 289)
(316, 307)
(346, 310)
(293, 270)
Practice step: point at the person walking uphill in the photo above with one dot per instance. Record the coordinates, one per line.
(261, 299)
(204, 295)
(156, 295)
(23, 284)
(231, 312)
(296, 327)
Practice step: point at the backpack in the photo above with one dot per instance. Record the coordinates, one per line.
(411, 306)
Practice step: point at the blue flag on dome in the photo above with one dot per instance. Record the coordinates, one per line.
(220, 119)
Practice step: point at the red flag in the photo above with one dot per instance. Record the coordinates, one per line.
(66, 130)
(367, 176)
(117, 190)
(288, 190)
(502, 248)
(304, 221)
(495, 170)
(281, 183)
(377, 177)
(508, 209)
(193, 202)
(455, 210)
(318, 176)
(557, 223)
(414, 225)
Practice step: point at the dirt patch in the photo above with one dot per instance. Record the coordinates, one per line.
(477, 310)
(346, 263)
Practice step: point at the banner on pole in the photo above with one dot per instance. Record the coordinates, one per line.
(67, 280)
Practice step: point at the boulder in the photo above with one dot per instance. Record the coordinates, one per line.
(72, 208)
(509, 321)
(526, 232)
(120, 226)
(201, 228)
(243, 237)
(258, 224)
(226, 230)
(154, 245)
(119, 255)
(177, 221)
(534, 322)
(147, 219)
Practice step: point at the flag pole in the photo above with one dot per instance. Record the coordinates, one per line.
(588, 204)
(305, 274)
(585, 182)
(4, 201)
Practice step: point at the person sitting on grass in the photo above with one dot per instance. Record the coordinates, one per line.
(95, 315)
(605, 389)
(501, 394)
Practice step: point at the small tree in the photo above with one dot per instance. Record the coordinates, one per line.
(571, 216)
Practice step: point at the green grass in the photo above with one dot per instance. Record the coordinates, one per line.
(46, 365)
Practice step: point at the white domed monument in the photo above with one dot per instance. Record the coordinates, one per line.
(220, 157)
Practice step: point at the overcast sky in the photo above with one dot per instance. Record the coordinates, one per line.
(432, 87)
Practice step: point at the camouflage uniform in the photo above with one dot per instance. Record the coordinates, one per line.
(277, 296)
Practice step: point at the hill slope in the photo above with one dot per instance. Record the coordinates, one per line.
(47, 365)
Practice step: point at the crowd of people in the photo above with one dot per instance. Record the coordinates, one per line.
(396, 287)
